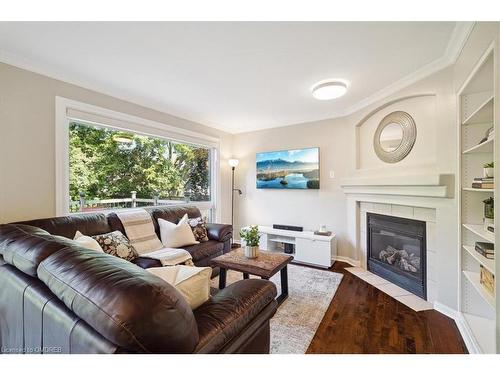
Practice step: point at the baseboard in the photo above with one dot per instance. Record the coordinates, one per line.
(352, 262)
(467, 335)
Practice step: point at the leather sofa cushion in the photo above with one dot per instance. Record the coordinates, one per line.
(88, 224)
(127, 305)
(203, 250)
(24, 246)
(147, 262)
(172, 214)
(219, 232)
(226, 314)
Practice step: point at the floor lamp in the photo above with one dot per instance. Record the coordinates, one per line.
(233, 163)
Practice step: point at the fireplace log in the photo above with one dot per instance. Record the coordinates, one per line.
(400, 259)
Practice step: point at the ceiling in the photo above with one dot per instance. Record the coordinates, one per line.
(235, 76)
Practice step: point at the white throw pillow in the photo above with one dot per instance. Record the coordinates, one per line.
(87, 242)
(192, 282)
(176, 235)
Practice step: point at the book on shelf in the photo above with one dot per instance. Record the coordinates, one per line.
(483, 183)
(486, 249)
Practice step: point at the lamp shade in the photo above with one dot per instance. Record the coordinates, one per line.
(233, 162)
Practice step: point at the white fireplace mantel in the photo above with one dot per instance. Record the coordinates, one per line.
(436, 185)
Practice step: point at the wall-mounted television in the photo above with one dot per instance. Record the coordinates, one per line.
(289, 169)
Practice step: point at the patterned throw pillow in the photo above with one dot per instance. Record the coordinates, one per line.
(115, 243)
(199, 229)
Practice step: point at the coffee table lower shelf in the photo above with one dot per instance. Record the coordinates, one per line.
(265, 266)
(284, 282)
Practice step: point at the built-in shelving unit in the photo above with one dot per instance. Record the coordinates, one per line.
(479, 190)
(484, 147)
(486, 262)
(478, 230)
(476, 100)
(483, 113)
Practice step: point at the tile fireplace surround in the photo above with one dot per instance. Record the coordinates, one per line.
(423, 199)
(410, 212)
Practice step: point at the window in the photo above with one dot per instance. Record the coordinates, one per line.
(117, 169)
(117, 162)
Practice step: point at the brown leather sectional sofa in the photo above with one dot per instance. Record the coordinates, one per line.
(56, 297)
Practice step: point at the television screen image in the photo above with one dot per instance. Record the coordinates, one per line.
(290, 169)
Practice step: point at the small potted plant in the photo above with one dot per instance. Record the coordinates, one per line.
(489, 169)
(489, 208)
(251, 237)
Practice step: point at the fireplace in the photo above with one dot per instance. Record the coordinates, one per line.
(397, 251)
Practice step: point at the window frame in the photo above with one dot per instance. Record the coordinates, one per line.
(68, 110)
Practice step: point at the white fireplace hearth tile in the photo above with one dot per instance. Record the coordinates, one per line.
(357, 270)
(372, 279)
(382, 208)
(414, 302)
(431, 236)
(393, 290)
(362, 222)
(431, 268)
(402, 211)
(424, 214)
(399, 294)
(366, 206)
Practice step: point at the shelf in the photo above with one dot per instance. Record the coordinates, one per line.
(484, 331)
(489, 264)
(282, 240)
(482, 115)
(479, 190)
(478, 230)
(473, 278)
(486, 147)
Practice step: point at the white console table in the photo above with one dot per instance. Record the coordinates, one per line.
(309, 248)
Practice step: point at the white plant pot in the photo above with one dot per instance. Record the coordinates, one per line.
(488, 172)
(251, 251)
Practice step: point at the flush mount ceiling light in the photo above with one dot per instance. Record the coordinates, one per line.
(328, 90)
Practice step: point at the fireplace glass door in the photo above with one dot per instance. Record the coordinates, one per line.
(396, 251)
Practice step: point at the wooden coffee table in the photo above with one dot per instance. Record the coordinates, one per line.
(266, 265)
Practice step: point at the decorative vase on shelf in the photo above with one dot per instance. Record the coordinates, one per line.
(489, 212)
(251, 251)
(488, 172)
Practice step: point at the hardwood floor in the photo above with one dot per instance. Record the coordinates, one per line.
(362, 319)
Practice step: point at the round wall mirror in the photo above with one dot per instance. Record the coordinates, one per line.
(391, 137)
(395, 137)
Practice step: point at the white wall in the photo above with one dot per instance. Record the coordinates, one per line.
(27, 137)
(309, 208)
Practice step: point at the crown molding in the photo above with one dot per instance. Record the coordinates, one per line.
(455, 45)
(453, 49)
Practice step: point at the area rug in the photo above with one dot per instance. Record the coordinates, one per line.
(310, 292)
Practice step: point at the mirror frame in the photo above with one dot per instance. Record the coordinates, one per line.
(408, 140)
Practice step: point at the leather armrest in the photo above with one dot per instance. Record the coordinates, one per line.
(231, 310)
(219, 232)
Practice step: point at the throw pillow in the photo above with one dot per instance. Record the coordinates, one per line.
(193, 283)
(199, 229)
(115, 243)
(176, 235)
(87, 242)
